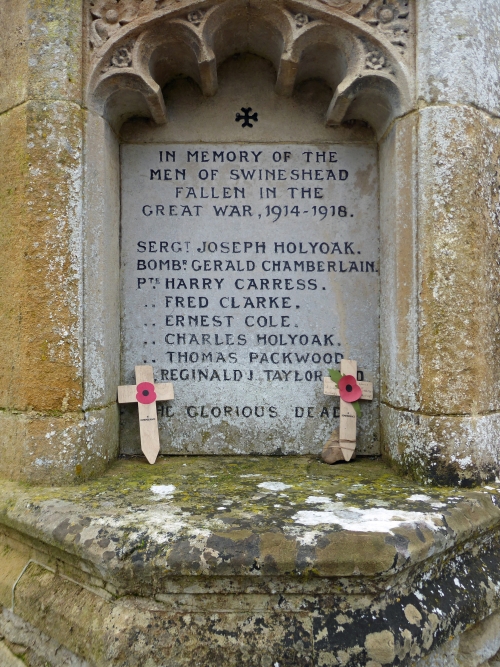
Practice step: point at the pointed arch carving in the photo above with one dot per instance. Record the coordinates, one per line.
(137, 46)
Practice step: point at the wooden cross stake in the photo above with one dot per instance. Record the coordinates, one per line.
(347, 431)
(146, 393)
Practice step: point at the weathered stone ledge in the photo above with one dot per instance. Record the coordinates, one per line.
(263, 516)
(227, 558)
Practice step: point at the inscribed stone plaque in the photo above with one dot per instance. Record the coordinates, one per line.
(247, 271)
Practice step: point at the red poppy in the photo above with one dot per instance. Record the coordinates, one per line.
(146, 393)
(349, 389)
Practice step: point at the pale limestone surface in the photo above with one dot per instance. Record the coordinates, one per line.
(12, 54)
(7, 658)
(40, 51)
(458, 257)
(35, 648)
(45, 432)
(476, 647)
(452, 346)
(399, 322)
(458, 447)
(101, 210)
(458, 53)
(245, 80)
(44, 242)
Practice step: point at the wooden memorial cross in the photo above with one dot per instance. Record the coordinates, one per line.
(347, 430)
(146, 393)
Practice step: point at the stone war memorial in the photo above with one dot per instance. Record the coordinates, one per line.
(250, 333)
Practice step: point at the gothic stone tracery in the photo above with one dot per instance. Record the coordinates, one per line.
(365, 47)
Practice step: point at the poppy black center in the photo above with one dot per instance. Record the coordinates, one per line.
(145, 392)
(348, 387)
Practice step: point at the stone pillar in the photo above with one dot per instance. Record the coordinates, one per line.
(45, 432)
(441, 361)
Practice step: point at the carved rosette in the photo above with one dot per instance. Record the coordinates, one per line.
(109, 17)
(391, 18)
(301, 20)
(142, 44)
(196, 17)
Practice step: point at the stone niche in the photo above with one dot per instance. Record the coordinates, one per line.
(249, 249)
(253, 268)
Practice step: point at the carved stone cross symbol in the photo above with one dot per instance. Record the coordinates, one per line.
(347, 429)
(146, 393)
(246, 117)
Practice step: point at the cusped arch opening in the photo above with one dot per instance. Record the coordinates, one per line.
(125, 104)
(322, 61)
(172, 59)
(374, 100)
(261, 38)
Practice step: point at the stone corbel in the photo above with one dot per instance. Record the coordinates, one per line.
(121, 72)
(375, 74)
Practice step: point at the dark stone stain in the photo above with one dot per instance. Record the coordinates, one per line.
(419, 534)
(401, 543)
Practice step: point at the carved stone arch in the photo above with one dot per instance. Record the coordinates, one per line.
(320, 52)
(367, 61)
(264, 33)
(362, 64)
(172, 48)
(371, 99)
